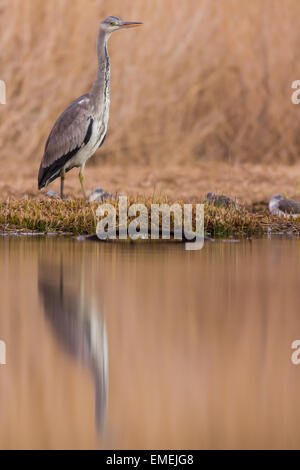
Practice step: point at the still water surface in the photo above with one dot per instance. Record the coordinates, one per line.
(149, 346)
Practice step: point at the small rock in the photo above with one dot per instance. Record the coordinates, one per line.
(221, 201)
(99, 195)
(52, 194)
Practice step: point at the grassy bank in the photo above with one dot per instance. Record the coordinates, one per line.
(77, 218)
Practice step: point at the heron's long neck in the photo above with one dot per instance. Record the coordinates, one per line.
(100, 88)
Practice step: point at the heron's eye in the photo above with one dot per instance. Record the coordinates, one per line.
(112, 23)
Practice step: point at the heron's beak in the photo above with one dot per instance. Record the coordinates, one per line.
(129, 24)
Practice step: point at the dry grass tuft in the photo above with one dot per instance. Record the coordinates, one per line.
(224, 222)
(47, 215)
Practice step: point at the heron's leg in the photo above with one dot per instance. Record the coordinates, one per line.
(62, 182)
(81, 179)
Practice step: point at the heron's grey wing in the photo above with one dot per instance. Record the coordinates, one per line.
(71, 132)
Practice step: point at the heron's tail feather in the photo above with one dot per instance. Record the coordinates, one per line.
(50, 173)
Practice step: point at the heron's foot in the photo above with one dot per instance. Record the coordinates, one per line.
(99, 195)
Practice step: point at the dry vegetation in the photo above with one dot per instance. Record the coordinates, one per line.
(75, 217)
(78, 218)
(203, 79)
(199, 94)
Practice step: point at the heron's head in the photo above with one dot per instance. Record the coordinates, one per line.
(113, 23)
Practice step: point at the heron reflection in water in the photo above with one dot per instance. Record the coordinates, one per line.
(79, 327)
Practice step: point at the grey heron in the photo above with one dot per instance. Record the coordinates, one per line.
(81, 128)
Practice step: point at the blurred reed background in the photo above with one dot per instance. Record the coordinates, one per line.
(202, 80)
